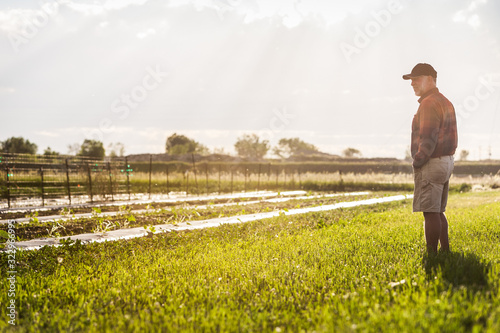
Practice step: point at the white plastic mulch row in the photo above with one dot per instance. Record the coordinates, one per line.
(174, 200)
(286, 196)
(191, 225)
(35, 204)
(178, 197)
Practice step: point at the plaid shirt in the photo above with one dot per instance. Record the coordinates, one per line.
(434, 128)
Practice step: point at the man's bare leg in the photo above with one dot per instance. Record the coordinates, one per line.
(432, 230)
(443, 237)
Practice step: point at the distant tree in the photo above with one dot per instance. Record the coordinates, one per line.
(219, 150)
(92, 148)
(201, 149)
(293, 147)
(18, 145)
(74, 149)
(50, 152)
(408, 155)
(116, 149)
(464, 155)
(180, 144)
(351, 152)
(249, 145)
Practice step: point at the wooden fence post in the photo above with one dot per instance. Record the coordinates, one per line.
(277, 176)
(232, 172)
(245, 188)
(127, 167)
(219, 177)
(258, 178)
(150, 170)
(8, 185)
(167, 181)
(195, 178)
(110, 182)
(206, 176)
(300, 180)
(90, 183)
(42, 188)
(67, 181)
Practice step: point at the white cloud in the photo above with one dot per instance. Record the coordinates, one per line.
(474, 21)
(119, 4)
(54, 134)
(475, 3)
(101, 7)
(89, 9)
(460, 16)
(26, 22)
(20, 20)
(152, 134)
(178, 3)
(291, 12)
(468, 15)
(146, 33)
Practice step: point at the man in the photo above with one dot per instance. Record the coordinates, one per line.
(433, 142)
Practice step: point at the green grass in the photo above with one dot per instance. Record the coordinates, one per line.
(360, 269)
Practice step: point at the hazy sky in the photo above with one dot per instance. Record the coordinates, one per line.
(328, 72)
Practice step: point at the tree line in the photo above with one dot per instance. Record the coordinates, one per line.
(89, 148)
(249, 146)
(253, 147)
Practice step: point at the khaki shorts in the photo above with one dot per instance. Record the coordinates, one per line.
(431, 185)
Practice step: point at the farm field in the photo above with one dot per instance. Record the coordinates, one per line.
(352, 269)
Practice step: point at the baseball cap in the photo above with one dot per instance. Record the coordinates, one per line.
(419, 70)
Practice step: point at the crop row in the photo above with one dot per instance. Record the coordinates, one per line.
(155, 214)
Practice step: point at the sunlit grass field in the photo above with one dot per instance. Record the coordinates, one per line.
(357, 269)
(226, 182)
